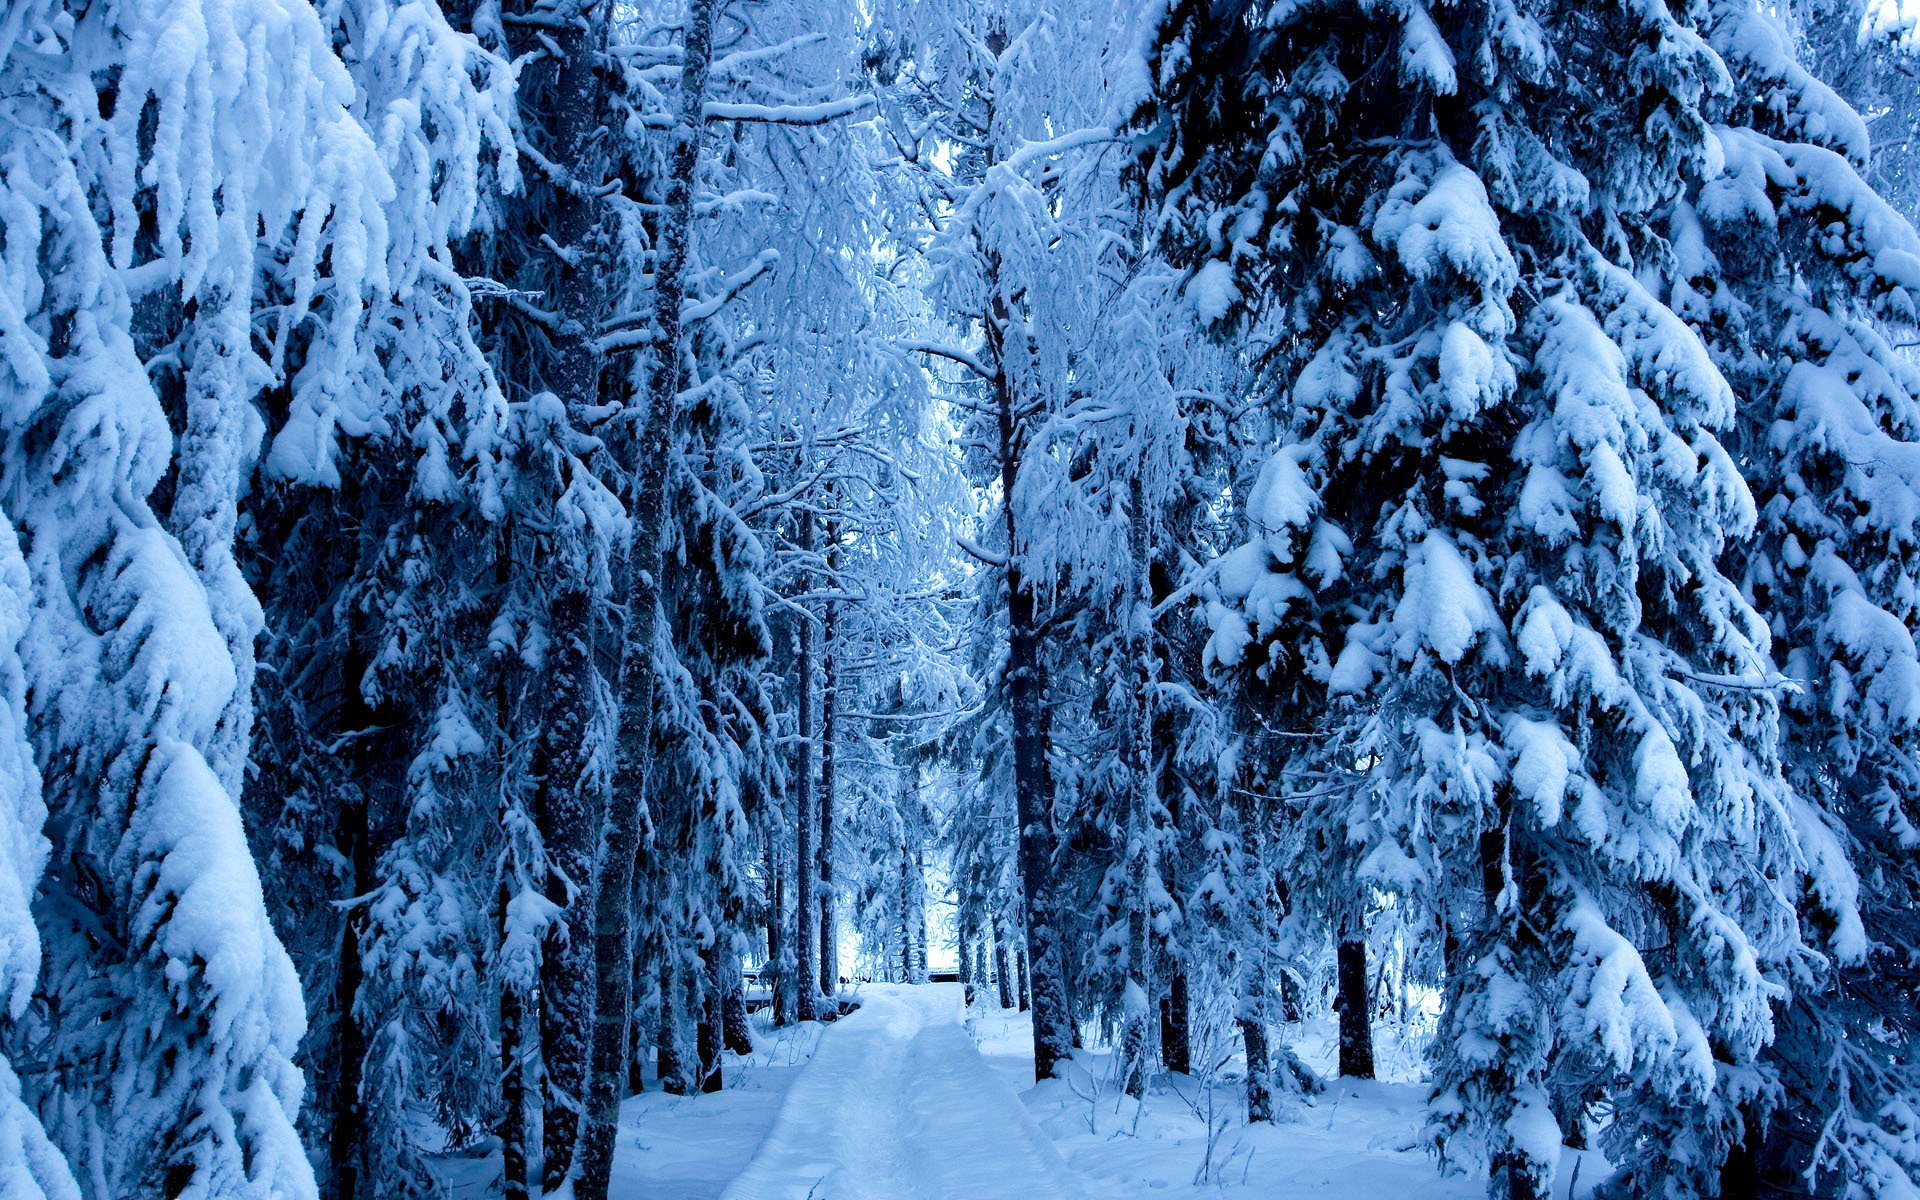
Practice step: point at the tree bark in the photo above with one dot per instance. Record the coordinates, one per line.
(1136, 764)
(668, 1063)
(712, 1018)
(806, 992)
(739, 1032)
(1356, 1016)
(773, 976)
(1176, 1049)
(639, 691)
(1253, 1036)
(829, 710)
(562, 98)
(1026, 684)
(1003, 965)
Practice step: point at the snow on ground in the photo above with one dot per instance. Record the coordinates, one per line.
(898, 1104)
(909, 1100)
(1189, 1138)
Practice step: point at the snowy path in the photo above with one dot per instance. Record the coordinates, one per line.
(897, 1104)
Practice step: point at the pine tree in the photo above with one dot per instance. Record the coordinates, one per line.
(1487, 542)
(1799, 277)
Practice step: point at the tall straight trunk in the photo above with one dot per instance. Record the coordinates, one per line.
(1022, 994)
(1176, 1047)
(1255, 977)
(829, 711)
(966, 959)
(739, 1034)
(562, 99)
(1026, 684)
(906, 917)
(806, 991)
(1003, 965)
(1253, 1039)
(1356, 1016)
(1136, 763)
(773, 976)
(345, 1149)
(712, 1018)
(570, 813)
(518, 1174)
(375, 761)
(520, 1131)
(920, 914)
(640, 684)
(668, 1063)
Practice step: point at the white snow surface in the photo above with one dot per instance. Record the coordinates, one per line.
(896, 1104)
(912, 1098)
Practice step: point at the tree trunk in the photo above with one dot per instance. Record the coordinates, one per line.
(1253, 1036)
(712, 1018)
(519, 1084)
(739, 1032)
(1136, 765)
(1022, 993)
(920, 914)
(1356, 1017)
(906, 919)
(345, 1148)
(1176, 1008)
(829, 711)
(807, 993)
(1026, 684)
(668, 1063)
(966, 961)
(561, 99)
(639, 690)
(773, 975)
(1003, 965)
(1176, 1049)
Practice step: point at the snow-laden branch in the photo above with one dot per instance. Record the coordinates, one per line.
(1093, 135)
(730, 287)
(990, 557)
(785, 114)
(952, 354)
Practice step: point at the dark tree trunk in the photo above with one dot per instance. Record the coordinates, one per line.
(774, 975)
(807, 992)
(906, 919)
(562, 100)
(520, 1132)
(1003, 966)
(569, 820)
(668, 1063)
(920, 913)
(519, 1086)
(375, 760)
(712, 1019)
(1176, 1008)
(345, 1148)
(639, 690)
(1253, 1036)
(1356, 1016)
(1026, 685)
(739, 1032)
(1176, 1050)
(966, 961)
(829, 713)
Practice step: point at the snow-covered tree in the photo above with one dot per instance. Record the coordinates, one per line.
(1801, 278)
(1483, 571)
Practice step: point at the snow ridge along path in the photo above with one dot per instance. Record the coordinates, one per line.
(897, 1104)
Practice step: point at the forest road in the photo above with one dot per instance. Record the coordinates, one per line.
(897, 1104)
